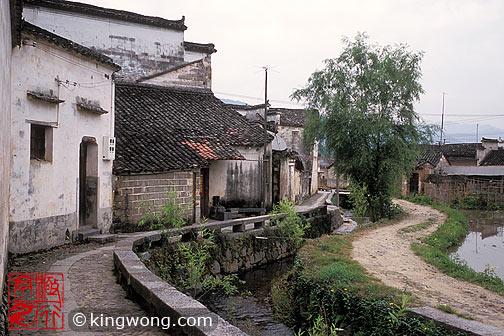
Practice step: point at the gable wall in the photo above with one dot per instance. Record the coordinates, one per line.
(139, 49)
(196, 75)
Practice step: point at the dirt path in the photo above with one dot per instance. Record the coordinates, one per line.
(386, 254)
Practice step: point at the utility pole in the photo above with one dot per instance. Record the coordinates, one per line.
(477, 131)
(265, 103)
(442, 121)
(265, 164)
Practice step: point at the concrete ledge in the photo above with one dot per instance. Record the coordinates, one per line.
(454, 322)
(158, 296)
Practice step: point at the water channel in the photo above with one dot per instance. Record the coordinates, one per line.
(253, 314)
(484, 245)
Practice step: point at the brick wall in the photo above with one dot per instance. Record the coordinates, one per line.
(131, 191)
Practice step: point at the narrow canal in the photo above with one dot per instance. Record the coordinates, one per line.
(483, 247)
(253, 314)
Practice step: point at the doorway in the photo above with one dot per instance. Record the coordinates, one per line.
(413, 183)
(204, 191)
(88, 183)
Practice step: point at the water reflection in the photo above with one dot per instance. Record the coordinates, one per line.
(253, 314)
(484, 245)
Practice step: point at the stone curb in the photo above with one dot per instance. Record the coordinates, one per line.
(159, 296)
(454, 322)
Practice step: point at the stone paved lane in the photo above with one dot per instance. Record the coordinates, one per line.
(95, 289)
(90, 286)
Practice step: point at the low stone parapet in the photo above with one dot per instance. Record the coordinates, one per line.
(162, 299)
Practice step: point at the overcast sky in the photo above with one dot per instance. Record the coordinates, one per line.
(463, 43)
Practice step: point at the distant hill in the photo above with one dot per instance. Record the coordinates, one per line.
(231, 101)
(457, 133)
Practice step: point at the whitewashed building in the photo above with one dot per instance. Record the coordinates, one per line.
(10, 19)
(61, 131)
(148, 49)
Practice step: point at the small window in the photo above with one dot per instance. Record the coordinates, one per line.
(41, 142)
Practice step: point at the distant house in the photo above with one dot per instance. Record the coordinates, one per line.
(184, 140)
(431, 161)
(461, 154)
(290, 125)
(295, 167)
(62, 121)
(483, 160)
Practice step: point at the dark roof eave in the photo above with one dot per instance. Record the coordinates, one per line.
(245, 107)
(81, 8)
(207, 48)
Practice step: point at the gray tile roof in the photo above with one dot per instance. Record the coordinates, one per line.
(494, 158)
(430, 154)
(165, 128)
(289, 117)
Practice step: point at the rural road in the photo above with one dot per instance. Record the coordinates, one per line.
(386, 254)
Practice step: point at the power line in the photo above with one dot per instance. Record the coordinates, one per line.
(256, 98)
(463, 115)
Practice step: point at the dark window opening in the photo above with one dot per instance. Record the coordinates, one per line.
(38, 142)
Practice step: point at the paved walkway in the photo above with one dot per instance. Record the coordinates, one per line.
(314, 201)
(91, 287)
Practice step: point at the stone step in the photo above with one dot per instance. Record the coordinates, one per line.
(102, 238)
(84, 234)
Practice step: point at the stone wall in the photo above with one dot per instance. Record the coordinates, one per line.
(239, 254)
(132, 191)
(5, 119)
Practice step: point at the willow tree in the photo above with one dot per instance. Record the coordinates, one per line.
(365, 98)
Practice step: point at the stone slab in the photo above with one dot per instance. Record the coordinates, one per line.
(458, 323)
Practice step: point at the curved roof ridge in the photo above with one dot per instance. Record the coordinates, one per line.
(82, 8)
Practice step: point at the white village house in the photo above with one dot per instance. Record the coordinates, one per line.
(62, 121)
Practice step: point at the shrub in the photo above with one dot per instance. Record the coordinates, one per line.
(358, 199)
(290, 225)
(169, 215)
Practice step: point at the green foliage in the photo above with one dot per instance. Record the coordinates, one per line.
(451, 310)
(476, 203)
(358, 199)
(290, 224)
(419, 227)
(327, 289)
(436, 248)
(367, 120)
(169, 215)
(320, 327)
(186, 263)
